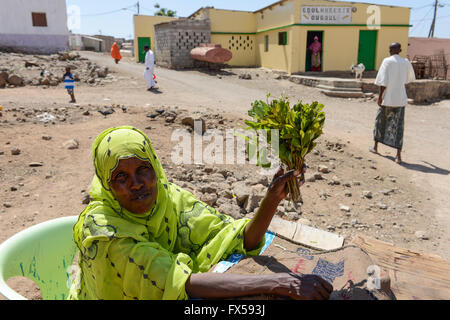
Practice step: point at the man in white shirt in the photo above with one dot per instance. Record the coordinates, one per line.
(394, 73)
(149, 67)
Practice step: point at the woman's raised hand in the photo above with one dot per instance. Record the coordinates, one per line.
(278, 188)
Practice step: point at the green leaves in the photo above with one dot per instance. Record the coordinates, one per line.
(299, 126)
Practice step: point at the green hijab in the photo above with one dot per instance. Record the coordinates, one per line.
(109, 148)
(146, 256)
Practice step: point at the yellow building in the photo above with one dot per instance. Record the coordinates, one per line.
(277, 36)
(144, 33)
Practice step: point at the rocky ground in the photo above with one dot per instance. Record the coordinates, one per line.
(344, 192)
(46, 166)
(18, 69)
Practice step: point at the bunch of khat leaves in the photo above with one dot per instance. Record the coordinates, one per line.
(298, 127)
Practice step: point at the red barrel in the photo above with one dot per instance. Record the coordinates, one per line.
(211, 52)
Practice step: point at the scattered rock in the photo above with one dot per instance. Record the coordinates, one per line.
(245, 76)
(344, 208)
(103, 72)
(323, 195)
(47, 138)
(15, 151)
(280, 211)
(334, 181)
(191, 122)
(210, 188)
(318, 176)
(253, 201)
(382, 206)
(386, 192)
(241, 192)
(367, 194)
(106, 111)
(323, 169)
(71, 144)
(35, 164)
(231, 209)
(7, 205)
(4, 75)
(15, 80)
(209, 198)
(421, 235)
(304, 221)
(292, 216)
(258, 179)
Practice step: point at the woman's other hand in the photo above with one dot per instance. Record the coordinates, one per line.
(301, 287)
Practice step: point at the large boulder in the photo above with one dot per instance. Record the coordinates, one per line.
(231, 209)
(2, 82)
(15, 80)
(241, 191)
(4, 75)
(44, 81)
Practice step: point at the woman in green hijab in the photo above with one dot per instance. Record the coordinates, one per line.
(142, 237)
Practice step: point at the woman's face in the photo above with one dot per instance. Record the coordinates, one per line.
(134, 184)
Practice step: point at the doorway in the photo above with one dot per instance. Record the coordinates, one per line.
(309, 40)
(367, 48)
(142, 42)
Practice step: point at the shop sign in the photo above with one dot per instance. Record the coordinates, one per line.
(326, 15)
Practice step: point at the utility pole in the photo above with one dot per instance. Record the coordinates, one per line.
(433, 24)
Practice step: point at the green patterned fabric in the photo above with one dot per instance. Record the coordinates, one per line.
(123, 255)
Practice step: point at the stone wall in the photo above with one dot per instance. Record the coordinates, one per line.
(419, 91)
(176, 39)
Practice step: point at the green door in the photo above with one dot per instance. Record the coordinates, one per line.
(367, 48)
(142, 42)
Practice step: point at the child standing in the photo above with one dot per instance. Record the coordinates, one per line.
(69, 83)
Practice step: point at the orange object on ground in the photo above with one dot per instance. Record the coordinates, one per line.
(211, 52)
(115, 52)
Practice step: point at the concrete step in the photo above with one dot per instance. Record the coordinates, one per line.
(343, 94)
(333, 88)
(342, 83)
(330, 82)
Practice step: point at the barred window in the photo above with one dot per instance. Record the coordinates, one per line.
(282, 38)
(39, 19)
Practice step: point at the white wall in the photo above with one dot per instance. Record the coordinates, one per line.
(15, 17)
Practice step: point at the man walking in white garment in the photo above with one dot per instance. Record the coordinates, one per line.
(149, 67)
(394, 73)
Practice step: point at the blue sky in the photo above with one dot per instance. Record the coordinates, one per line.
(108, 18)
